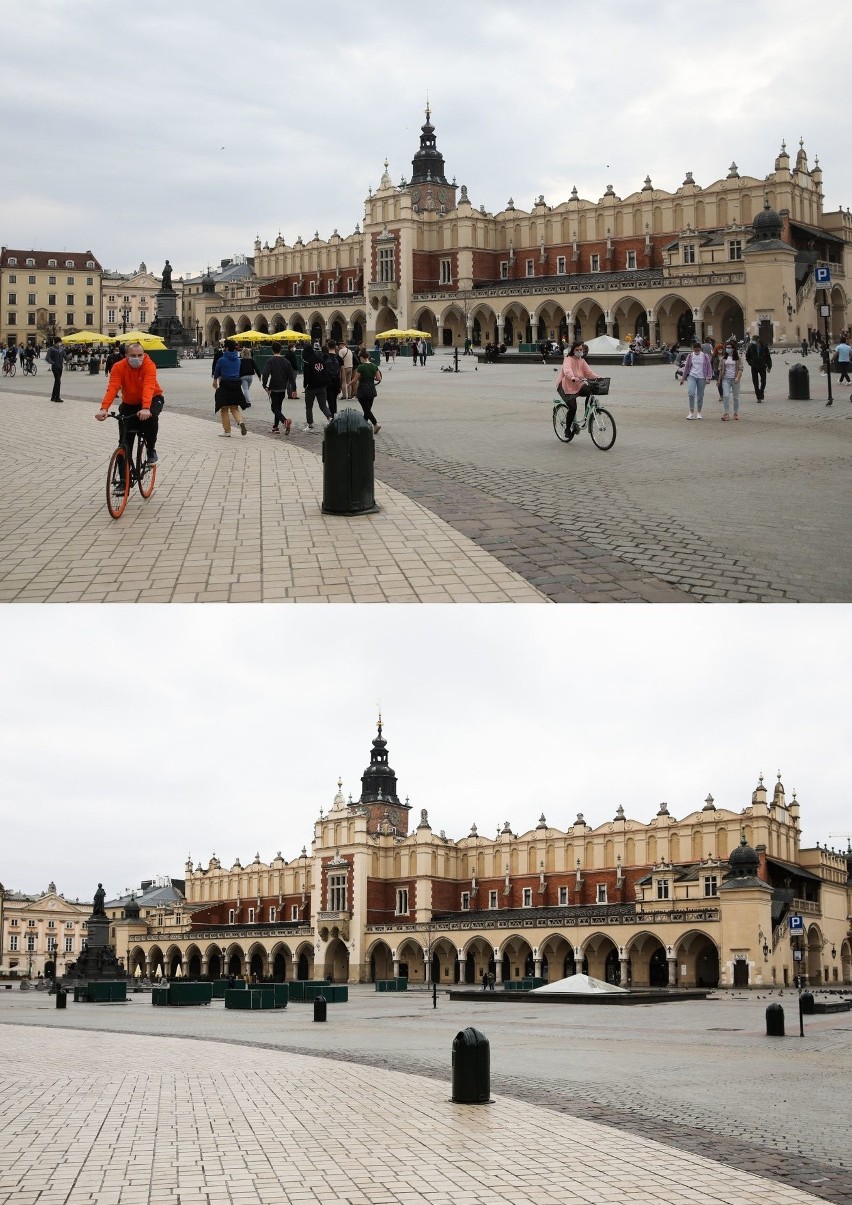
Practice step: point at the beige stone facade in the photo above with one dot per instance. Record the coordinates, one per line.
(36, 930)
(129, 300)
(657, 261)
(46, 293)
(705, 900)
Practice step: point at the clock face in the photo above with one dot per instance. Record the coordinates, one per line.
(442, 195)
(394, 815)
(415, 195)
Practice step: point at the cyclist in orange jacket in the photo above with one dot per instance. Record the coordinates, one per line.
(135, 377)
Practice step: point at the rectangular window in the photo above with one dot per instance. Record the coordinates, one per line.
(69, 924)
(631, 260)
(31, 319)
(125, 298)
(31, 299)
(143, 315)
(492, 899)
(90, 280)
(12, 318)
(110, 298)
(563, 895)
(711, 885)
(465, 901)
(527, 897)
(295, 288)
(446, 271)
(69, 279)
(330, 287)
(560, 264)
(69, 298)
(13, 299)
(90, 299)
(251, 916)
(51, 319)
(601, 895)
(689, 253)
(337, 893)
(735, 249)
(13, 942)
(595, 265)
(386, 265)
(13, 923)
(69, 319)
(69, 945)
(402, 901)
(31, 924)
(51, 280)
(31, 279)
(51, 299)
(110, 316)
(51, 924)
(13, 280)
(31, 944)
(350, 284)
(51, 945)
(294, 912)
(530, 267)
(663, 889)
(504, 269)
(231, 915)
(90, 320)
(273, 915)
(312, 288)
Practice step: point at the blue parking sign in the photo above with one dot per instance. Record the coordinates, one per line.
(822, 277)
(797, 924)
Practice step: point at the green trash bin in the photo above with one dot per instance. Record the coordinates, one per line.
(348, 456)
(375, 354)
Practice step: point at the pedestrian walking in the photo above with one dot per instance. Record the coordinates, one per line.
(279, 381)
(729, 375)
(413, 353)
(842, 357)
(229, 398)
(315, 382)
(344, 355)
(56, 359)
(759, 361)
(332, 372)
(248, 371)
(421, 351)
(697, 371)
(367, 377)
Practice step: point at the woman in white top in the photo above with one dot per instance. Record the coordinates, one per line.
(730, 372)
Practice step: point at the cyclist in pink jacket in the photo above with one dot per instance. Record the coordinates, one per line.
(572, 383)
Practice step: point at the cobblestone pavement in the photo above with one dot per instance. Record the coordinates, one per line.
(234, 520)
(126, 1120)
(700, 1077)
(676, 511)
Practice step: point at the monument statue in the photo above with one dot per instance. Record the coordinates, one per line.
(100, 896)
(167, 276)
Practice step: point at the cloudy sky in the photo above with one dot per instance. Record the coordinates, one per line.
(182, 128)
(230, 734)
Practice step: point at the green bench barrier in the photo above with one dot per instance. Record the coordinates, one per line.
(259, 996)
(221, 985)
(100, 993)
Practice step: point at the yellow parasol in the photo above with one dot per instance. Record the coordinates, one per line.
(149, 342)
(394, 334)
(412, 334)
(252, 337)
(291, 337)
(84, 337)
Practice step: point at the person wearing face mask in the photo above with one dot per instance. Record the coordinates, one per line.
(730, 372)
(572, 382)
(135, 377)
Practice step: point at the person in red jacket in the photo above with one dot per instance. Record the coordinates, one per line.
(135, 377)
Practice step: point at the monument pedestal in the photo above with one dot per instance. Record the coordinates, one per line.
(167, 325)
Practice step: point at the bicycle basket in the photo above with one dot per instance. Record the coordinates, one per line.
(600, 386)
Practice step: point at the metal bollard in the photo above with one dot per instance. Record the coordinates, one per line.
(320, 1007)
(775, 1021)
(471, 1068)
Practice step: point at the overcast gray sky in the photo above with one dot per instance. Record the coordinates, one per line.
(230, 734)
(182, 128)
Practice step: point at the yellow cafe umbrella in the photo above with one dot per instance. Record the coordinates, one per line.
(149, 342)
(252, 337)
(412, 334)
(291, 337)
(392, 334)
(84, 337)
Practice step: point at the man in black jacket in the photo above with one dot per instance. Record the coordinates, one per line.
(279, 380)
(760, 362)
(315, 378)
(56, 359)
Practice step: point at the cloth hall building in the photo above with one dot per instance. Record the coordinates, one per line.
(733, 256)
(704, 900)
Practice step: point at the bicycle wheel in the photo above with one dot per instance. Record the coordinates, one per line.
(118, 483)
(10, 369)
(560, 422)
(602, 429)
(146, 474)
(33, 370)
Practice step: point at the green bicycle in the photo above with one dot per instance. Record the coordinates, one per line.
(600, 423)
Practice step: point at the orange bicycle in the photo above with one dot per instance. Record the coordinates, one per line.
(123, 473)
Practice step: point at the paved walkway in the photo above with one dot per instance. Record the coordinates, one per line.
(113, 1119)
(234, 520)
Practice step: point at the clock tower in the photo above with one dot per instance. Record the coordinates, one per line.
(378, 793)
(428, 183)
